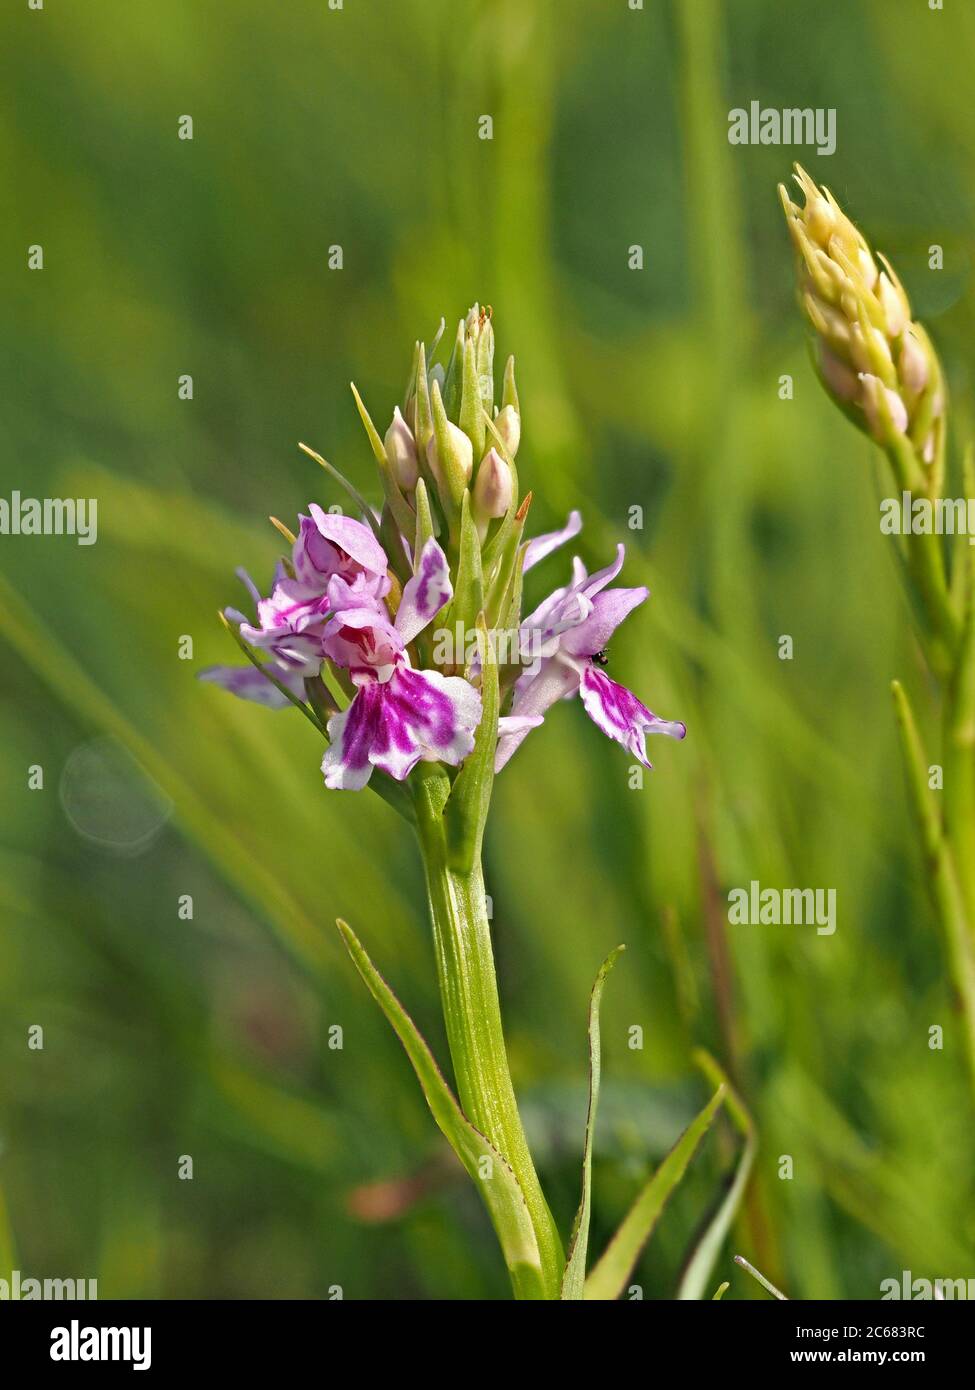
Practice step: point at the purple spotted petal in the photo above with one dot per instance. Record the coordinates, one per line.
(394, 724)
(249, 684)
(541, 546)
(425, 594)
(620, 714)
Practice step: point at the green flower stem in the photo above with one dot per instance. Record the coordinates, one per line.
(472, 1013)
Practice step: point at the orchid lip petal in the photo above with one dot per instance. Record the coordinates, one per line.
(393, 725)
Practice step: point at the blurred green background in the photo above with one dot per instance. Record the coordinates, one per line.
(658, 388)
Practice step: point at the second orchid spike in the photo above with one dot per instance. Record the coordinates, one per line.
(873, 359)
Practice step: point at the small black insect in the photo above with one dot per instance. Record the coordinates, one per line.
(601, 658)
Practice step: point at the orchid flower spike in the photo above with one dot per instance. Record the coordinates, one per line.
(349, 630)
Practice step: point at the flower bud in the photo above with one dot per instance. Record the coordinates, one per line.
(840, 381)
(492, 490)
(912, 365)
(884, 409)
(508, 425)
(896, 310)
(401, 452)
(462, 450)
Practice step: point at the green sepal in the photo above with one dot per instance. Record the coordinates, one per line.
(485, 364)
(392, 541)
(467, 806)
(509, 391)
(574, 1278)
(452, 380)
(411, 383)
(454, 476)
(423, 418)
(490, 1171)
(471, 409)
(426, 522)
(508, 567)
(468, 599)
(608, 1278)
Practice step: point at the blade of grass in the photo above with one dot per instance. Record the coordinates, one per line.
(697, 1271)
(574, 1279)
(609, 1276)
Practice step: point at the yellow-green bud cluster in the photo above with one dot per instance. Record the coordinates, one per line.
(873, 359)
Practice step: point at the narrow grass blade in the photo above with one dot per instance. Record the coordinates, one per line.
(765, 1283)
(491, 1173)
(608, 1278)
(697, 1270)
(574, 1279)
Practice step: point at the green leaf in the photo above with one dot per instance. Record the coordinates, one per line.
(574, 1279)
(491, 1173)
(470, 798)
(698, 1267)
(608, 1278)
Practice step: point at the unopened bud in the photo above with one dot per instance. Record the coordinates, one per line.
(884, 409)
(912, 365)
(840, 381)
(896, 310)
(492, 490)
(508, 426)
(401, 452)
(462, 451)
